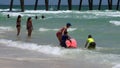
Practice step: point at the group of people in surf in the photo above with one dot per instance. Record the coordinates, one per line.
(29, 25)
(62, 36)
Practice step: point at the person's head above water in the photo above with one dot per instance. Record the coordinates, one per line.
(68, 25)
(89, 36)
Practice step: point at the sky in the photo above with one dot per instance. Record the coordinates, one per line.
(54, 2)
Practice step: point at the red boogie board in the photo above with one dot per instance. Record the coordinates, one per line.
(72, 44)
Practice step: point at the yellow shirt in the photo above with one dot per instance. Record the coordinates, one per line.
(90, 40)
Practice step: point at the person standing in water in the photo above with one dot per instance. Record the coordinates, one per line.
(18, 24)
(90, 43)
(29, 26)
(62, 31)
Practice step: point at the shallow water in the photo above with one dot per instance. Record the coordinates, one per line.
(103, 25)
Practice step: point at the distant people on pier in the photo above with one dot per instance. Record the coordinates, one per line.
(18, 24)
(29, 26)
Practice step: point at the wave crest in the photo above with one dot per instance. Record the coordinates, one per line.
(117, 23)
(47, 29)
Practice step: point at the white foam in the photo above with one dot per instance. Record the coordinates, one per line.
(117, 23)
(5, 28)
(91, 56)
(90, 14)
(72, 29)
(13, 13)
(116, 66)
(46, 49)
(46, 29)
(46, 12)
(9, 9)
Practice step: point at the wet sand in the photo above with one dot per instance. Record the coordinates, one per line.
(11, 57)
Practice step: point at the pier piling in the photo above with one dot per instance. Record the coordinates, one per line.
(69, 4)
(80, 4)
(11, 5)
(22, 5)
(36, 4)
(59, 2)
(46, 5)
(110, 4)
(90, 4)
(100, 2)
(118, 2)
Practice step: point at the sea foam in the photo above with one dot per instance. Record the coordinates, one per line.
(90, 56)
(46, 49)
(116, 66)
(117, 23)
(47, 29)
(3, 29)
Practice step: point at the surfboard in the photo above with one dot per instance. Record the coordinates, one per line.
(72, 43)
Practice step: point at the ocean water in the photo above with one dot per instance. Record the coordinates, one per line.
(103, 25)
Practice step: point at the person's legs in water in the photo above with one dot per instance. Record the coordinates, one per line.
(59, 37)
(92, 45)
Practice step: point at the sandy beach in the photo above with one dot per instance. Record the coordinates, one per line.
(31, 59)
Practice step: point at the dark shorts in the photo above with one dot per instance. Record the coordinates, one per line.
(92, 45)
(63, 44)
(17, 26)
(29, 28)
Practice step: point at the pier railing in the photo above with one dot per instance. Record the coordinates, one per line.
(90, 4)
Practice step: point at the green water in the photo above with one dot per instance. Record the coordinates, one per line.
(103, 25)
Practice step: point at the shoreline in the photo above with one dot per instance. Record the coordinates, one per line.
(47, 63)
(20, 58)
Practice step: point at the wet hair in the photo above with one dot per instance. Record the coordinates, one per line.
(19, 16)
(28, 19)
(89, 36)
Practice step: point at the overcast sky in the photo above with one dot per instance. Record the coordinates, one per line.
(53, 2)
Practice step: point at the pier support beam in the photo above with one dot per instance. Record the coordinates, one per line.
(80, 5)
(90, 4)
(36, 4)
(118, 2)
(110, 4)
(100, 2)
(59, 2)
(70, 4)
(46, 4)
(11, 5)
(22, 5)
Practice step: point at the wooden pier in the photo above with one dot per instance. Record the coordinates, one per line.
(90, 5)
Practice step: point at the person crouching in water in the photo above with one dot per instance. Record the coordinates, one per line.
(90, 43)
(62, 31)
(64, 38)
